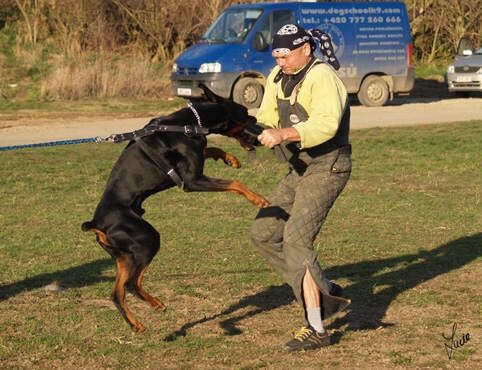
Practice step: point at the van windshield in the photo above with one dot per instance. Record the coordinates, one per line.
(231, 26)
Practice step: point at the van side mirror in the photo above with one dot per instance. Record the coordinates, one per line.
(467, 52)
(259, 42)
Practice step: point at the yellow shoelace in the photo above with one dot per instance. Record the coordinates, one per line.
(303, 334)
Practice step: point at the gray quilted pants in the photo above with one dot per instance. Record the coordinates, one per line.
(284, 232)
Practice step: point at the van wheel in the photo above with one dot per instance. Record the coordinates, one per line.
(373, 92)
(248, 92)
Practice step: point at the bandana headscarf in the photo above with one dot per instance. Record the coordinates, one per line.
(291, 37)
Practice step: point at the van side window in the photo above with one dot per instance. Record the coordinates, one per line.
(273, 23)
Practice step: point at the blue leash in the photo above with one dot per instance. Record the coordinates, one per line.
(154, 126)
(53, 143)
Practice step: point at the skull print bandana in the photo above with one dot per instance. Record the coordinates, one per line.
(290, 37)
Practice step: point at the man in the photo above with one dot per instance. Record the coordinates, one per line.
(306, 115)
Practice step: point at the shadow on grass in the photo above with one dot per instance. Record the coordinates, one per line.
(270, 299)
(395, 275)
(73, 277)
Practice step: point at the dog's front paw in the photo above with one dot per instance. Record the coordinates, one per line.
(261, 202)
(232, 161)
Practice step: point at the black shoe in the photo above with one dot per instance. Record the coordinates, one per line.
(336, 290)
(306, 339)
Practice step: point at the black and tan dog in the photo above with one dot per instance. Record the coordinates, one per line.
(154, 163)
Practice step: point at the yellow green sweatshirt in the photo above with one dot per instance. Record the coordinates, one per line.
(324, 97)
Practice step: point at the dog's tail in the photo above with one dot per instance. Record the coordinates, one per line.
(101, 237)
(89, 226)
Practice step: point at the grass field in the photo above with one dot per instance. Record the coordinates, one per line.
(404, 240)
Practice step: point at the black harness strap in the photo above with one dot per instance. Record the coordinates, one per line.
(159, 161)
(155, 126)
(151, 129)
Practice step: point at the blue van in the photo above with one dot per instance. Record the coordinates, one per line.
(372, 41)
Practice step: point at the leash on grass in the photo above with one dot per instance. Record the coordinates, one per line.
(119, 138)
(153, 126)
(52, 143)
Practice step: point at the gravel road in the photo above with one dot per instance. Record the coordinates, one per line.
(399, 112)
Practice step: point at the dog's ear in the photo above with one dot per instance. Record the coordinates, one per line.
(251, 120)
(210, 96)
(237, 112)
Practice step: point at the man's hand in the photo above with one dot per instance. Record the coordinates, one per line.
(270, 138)
(273, 137)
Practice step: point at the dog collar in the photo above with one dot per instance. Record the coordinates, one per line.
(195, 113)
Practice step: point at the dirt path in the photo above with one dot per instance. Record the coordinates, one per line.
(34, 128)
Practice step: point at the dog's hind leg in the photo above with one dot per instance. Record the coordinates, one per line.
(148, 247)
(128, 278)
(134, 286)
(124, 263)
(130, 270)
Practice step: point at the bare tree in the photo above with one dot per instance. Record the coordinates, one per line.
(438, 25)
(33, 17)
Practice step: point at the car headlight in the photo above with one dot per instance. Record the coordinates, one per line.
(450, 69)
(210, 68)
(174, 67)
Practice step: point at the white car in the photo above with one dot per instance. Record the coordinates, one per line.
(465, 73)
